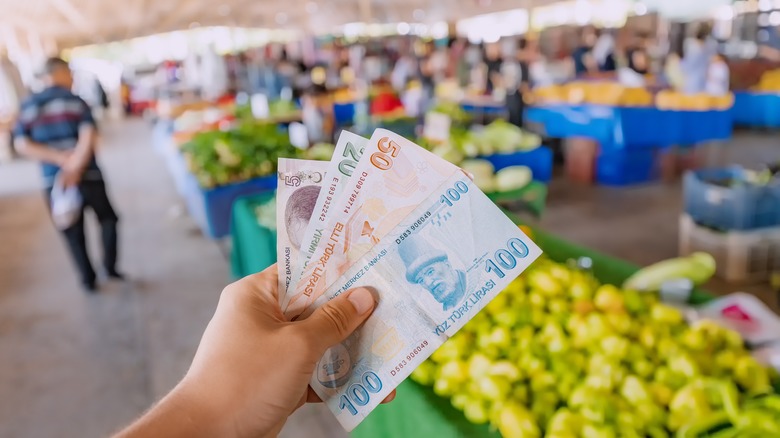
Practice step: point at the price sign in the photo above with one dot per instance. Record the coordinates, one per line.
(437, 127)
(259, 104)
(299, 135)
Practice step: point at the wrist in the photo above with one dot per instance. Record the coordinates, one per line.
(199, 414)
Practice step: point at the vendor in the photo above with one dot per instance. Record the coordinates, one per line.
(698, 53)
(517, 78)
(582, 57)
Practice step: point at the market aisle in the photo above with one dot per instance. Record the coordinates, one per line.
(80, 366)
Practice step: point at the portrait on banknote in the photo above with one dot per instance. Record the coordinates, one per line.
(298, 213)
(433, 270)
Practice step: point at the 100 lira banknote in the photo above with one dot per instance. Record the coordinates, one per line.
(392, 178)
(298, 189)
(431, 273)
(349, 149)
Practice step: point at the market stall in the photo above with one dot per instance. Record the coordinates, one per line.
(421, 411)
(759, 105)
(629, 128)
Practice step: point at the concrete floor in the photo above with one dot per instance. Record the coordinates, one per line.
(75, 365)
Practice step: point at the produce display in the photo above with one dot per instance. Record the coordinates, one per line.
(769, 82)
(559, 355)
(615, 94)
(489, 181)
(496, 138)
(674, 100)
(249, 150)
(596, 93)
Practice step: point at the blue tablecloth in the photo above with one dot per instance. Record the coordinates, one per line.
(624, 128)
(757, 110)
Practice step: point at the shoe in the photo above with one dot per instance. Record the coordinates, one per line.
(116, 275)
(91, 287)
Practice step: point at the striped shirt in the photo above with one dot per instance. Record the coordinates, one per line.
(53, 118)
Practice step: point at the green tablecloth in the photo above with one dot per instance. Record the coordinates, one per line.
(254, 247)
(417, 411)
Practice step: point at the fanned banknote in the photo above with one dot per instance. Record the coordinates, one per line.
(297, 191)
(345, 158)
(392, 178)
(431, 273)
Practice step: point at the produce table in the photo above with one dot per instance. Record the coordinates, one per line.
(417, 411)
(757, 109)
(617, 128)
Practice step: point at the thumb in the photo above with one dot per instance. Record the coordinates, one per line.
(338, 318)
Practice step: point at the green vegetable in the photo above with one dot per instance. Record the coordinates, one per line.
(513, 178)
(698, 267)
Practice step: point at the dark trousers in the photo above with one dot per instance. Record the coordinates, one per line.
(515, 106)
(95, 197)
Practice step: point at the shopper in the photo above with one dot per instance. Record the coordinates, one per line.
(252, 368)
(56, 128)
(582, 57)
(493, 63)
(517, 78)
(698, 53)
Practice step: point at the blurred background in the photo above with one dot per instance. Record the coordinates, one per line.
(624, 132)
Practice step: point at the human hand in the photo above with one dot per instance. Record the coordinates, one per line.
(252, 368)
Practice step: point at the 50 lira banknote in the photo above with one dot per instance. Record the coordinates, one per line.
(391, 179)
(298, 189)
(431, 273)
(349, 149)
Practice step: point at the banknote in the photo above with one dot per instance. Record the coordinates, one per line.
(393, 176)
(297, 191)
(430, 274)
(348, 151)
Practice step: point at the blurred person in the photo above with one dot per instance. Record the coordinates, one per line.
(427, 80)
(604, 52)
(638, 56)
(697, 54)
(493, 64)
(517, 76)
(252, 368)
(718, 77)
(582, 57)
(56, 128)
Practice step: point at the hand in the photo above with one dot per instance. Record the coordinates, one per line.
(72, 170)
(252, 368)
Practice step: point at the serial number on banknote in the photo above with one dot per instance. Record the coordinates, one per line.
(417, 350)
(413, 227)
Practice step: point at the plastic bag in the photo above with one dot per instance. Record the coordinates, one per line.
(66, 203)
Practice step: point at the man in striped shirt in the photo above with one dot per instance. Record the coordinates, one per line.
(56, 128)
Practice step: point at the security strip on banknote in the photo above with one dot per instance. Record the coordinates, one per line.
(298, 189)
(431, 274)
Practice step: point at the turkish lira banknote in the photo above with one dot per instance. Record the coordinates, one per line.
(393, 176)
(431, 272)
(349, 149)
(298, 189)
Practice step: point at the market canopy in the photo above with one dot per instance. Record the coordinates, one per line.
(75, 22)
(44, 25)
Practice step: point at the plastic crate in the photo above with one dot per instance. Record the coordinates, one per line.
(742, 207)
(539, 160)
(344, 113)
(628, 167)
(741, 256)
(212, 208)
(756, 110)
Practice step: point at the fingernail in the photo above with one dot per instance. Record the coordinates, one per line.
(362, 300)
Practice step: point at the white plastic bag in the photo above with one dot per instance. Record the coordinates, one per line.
(66, 204)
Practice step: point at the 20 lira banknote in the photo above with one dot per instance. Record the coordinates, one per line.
(298, 188)
(393, 176)
(349, 149)
(431, 274)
